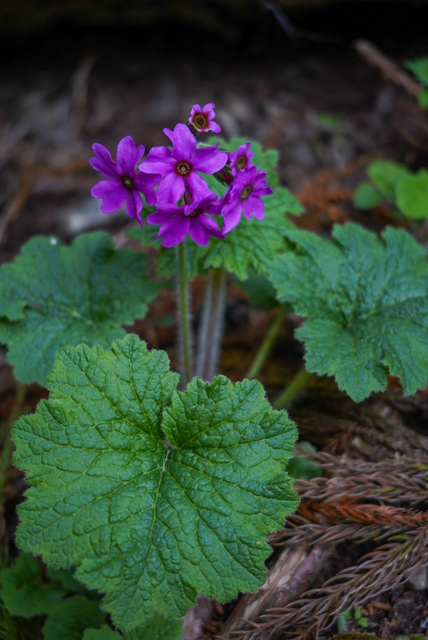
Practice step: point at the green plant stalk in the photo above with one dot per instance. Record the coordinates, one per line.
(288, 395)
(184, 331)
(211, 329)
(266, 345)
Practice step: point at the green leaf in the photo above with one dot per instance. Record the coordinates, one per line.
(365, 197)
(154, 505)
(158, 628)
(412, 195)
(419, 67)
(66, 578)
(52, 296)
(423, 99)
(23, 591)
(69, 619)
(366, 303)
(385, 175)
(261, 293)
(105, 633)
(253, 243)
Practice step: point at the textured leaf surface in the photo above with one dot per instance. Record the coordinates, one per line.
(105, 633)
(53, 296)
(158, 628)
(69, 619)
(152, 524)
(23, 591)
(366, 303)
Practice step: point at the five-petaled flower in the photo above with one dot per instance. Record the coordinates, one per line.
(245, 196)
(241, 159)
(124, 182)
(179, 166)
(202, 118)
(193, 219)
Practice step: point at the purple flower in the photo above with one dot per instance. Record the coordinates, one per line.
(124, 180)
(244, 195)
(241, 159)
(176, 222)
(202, 118)
(179, 166)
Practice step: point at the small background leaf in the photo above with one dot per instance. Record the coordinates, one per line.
(23, 590)
(366, 197)
(412, 195)
(385, 175)
(419, 66)
(71, 618)
(53, 295)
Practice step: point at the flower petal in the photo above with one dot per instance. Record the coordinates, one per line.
(198, 232)
(134, 204)
(146, 183)
(158, 160)
(174, 231)
(254, 206)
(113, 195)
(128, 155)
(232, 218)
(197, 186)
(209, 159)
(170, 189)
(164, 214)
(183, 141)
(103, 162)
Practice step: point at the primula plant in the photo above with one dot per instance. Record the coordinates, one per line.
(150, 487)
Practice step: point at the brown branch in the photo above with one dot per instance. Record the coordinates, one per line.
(388, 68)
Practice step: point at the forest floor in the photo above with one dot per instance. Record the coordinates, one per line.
(329, 113)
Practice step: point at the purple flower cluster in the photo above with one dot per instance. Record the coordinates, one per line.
(168, 175)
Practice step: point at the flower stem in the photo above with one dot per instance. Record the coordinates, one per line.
(266, 345)
(185, 339)
(211, 329)
(286, 397)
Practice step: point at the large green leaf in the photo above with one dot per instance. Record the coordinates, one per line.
(155, 495)
(366, 303)
(53, 296)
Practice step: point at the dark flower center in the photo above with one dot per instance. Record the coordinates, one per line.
(195, 213)
(183, 168)
(246, 192)
(200, 121)
(127, 182)
(241, 162)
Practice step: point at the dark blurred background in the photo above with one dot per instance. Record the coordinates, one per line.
(285, 72)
